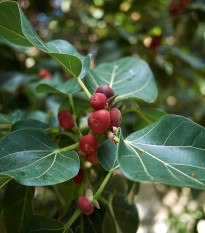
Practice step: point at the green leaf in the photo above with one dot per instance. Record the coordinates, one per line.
(38, 115)
(129, 77)
(109, 223)
(16, 28)
(2, 221)
(125, 215)
(197, 6)
(117, 183)
(69, 87)
(170, 151)
(107, 155)
(146, 116)
(43, 224)
(10, 118)
(31, 158)
(17, 47)
(93, 223)
(150, 115)
(61, 48)
(69, 190)
(133, 190)
(192, 60)
(18, 207)
(4, 180)
(29, 123)
(10, 81)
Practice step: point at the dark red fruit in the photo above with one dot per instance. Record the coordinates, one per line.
(44, 74)
(88, 144)
(79, 177)
(115, 116)
(63, 112)
(156, 42)
(66, 121)
(106, 90)
(92, 158)
(99, 120)
(98, 100)
(183, 4)
(174, 8)
(85, 206)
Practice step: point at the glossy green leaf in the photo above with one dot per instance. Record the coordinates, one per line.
(129, 77)
(29, 123)
(170, 151)
(69, 87)
(16, 28)
(68, 57)
(44, 224)
(10, 118)
(18, 207)
(31, 158)
(107, 155)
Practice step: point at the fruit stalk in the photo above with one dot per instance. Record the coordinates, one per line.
(72, 219)
(74, 146)
(83, 87)
(96, 196)
(102, 186)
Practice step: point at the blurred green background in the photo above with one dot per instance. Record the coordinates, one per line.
(171, 41)
(112, 29)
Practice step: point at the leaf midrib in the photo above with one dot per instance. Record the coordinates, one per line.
(143, 144)
(113, 75)
(167, 164)
(7, 29)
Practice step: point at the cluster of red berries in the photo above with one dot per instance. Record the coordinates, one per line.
(100, 120)
(44, 74)
(176, 6)
(103, 118)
